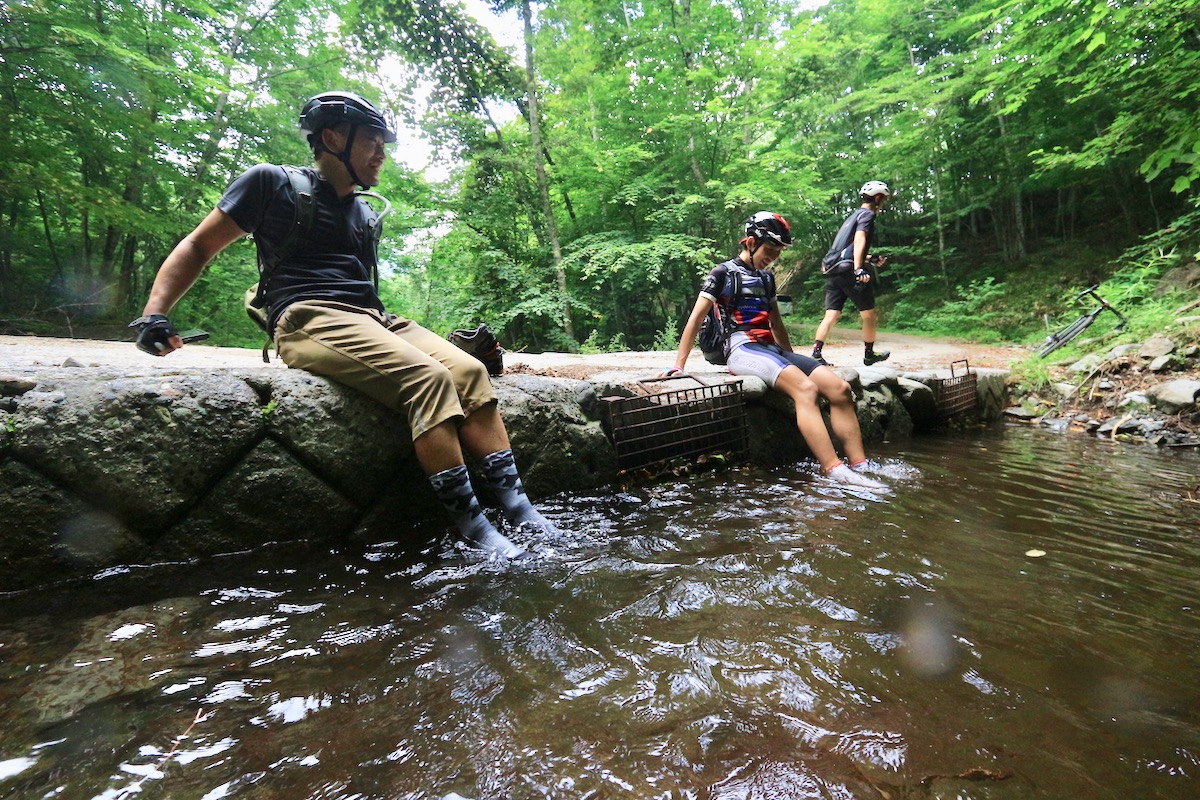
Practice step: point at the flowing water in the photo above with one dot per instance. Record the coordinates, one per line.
(750, 634)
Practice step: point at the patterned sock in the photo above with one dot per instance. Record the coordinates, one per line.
(869, 348)
(500, 470)
(453, 488)
(818, 346)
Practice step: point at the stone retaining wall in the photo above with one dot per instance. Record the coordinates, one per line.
(106, 467)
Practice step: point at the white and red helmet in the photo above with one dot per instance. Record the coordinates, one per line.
(767, 226)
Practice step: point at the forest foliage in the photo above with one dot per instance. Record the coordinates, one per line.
(1035, 146)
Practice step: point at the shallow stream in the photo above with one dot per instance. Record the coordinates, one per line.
(1018, 619)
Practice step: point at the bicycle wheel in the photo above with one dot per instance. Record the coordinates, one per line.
(1057, 340)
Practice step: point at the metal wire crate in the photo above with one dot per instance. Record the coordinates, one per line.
(957, 394)
(663, 425)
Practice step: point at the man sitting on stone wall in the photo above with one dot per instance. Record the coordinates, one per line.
(325, 315)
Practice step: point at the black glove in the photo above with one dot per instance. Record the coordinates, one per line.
(154, 334)
(482, 344)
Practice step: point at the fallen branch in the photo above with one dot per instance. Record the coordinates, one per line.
(973, 774)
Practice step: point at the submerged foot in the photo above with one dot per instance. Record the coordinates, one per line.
(491, 540)
(530, 516)
(890, 470)
(848, 477)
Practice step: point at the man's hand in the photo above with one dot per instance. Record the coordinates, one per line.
(156, 335)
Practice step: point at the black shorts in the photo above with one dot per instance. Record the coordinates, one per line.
(840, 286)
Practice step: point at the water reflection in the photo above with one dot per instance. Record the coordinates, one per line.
(759, 634)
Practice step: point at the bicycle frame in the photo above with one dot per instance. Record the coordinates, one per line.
(1057, 340)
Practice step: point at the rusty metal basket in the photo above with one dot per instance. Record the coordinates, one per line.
(666, 424)
(957, 394)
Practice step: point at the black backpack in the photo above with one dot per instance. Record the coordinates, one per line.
(712, 337)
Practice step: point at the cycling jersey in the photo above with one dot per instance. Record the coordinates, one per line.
(750, 311)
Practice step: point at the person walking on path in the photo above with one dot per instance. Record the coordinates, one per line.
(851, 271)
(757, 344)
(325, 314)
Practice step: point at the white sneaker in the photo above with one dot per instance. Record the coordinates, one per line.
(848, 477)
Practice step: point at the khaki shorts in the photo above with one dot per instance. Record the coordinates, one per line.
(394, 360)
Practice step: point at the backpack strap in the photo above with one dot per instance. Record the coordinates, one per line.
(374, 233)
(304, 209)
(304, 212)
(735, 291)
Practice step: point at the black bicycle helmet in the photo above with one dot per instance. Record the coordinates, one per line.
(333, 108)
(329, 109)
(767, 226)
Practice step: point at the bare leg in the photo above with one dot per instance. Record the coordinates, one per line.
(804, 392)
(483, 432)
(804, 389)
(843, 414)
(868, 325)
(826, 327)
(868, 329)
(437, 449)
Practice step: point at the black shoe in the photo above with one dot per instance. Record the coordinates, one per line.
(821, 360)
(875, 358)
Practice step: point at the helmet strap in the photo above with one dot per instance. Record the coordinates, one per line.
(344, 157)
(752, 248)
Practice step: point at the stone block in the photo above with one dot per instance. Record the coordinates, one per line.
(919, 402)
(139, 446)
(51, 535)
(352, 441)
(268, 497)
(1157, 345)
(557, 446)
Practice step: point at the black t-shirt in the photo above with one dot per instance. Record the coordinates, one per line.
(842, 251)
(334, 266)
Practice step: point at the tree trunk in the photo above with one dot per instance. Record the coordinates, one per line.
(217, 126)
(535, 224)
(1018, 213)
(127, 285)
(539, 168)
(58, 267)
(941, 229)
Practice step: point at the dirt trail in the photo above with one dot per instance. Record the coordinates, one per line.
(909, 353)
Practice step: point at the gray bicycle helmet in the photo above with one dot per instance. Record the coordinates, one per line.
(768, 226)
